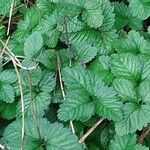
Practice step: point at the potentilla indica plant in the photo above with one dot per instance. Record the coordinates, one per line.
(75, 74)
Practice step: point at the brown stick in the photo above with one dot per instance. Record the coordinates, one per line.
(10, 16)
(143, 135)
(84, 137)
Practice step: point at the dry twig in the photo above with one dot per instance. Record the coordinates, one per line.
(143, 135)
(10, 16)
(62, 88)
(83, 138)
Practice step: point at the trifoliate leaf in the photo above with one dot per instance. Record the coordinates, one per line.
(33, 45)
(126, 65)
(144, 89)
(126, 142)
(135, 118)
(126, 89)
(106, 104)
(55, 136)
(76, 106)
(6, 93)
(140, 8)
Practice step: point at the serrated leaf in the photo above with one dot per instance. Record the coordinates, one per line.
(8, 111)
(8, 76)
(85, 53)
(32, 17)
(76, 106)
(108, 15)
(135, 118)
(93, 14)
(52, 37)
(140, 147)
(126, 89)
(47, 82)
(33, 45)
(126, 142)
(144, 91)
(37, 102)
(34, 76)
(55, 136)
(124, 17)
(6, 93)
(134, 43)
(48, 59)
(101, 68)
(140, 8)
(103, 42)
(107, 105)
(126, 65)
(146, 71)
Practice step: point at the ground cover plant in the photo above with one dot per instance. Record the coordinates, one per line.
(74, 74)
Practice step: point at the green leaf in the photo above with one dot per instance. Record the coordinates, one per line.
(85, 53)
(101, 40)
(126, 65)
(108, 16)
(124, 17)
(52, 37)
(140, 8)
(135, 118)
(33, 45)
(146, 71)
(134, 43)
(8, 76)
(126, 89)
(5, 6)
(34, 76)
(93, 14)
(101, 68)
(107, 105)
(140, 147)
(48, 59)
(144, 89)
(37, 102)
(76, 106)
(8, 111)
(55, 136)
(47, 82)
(32, 17)
(6, 93)
(126, 142)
